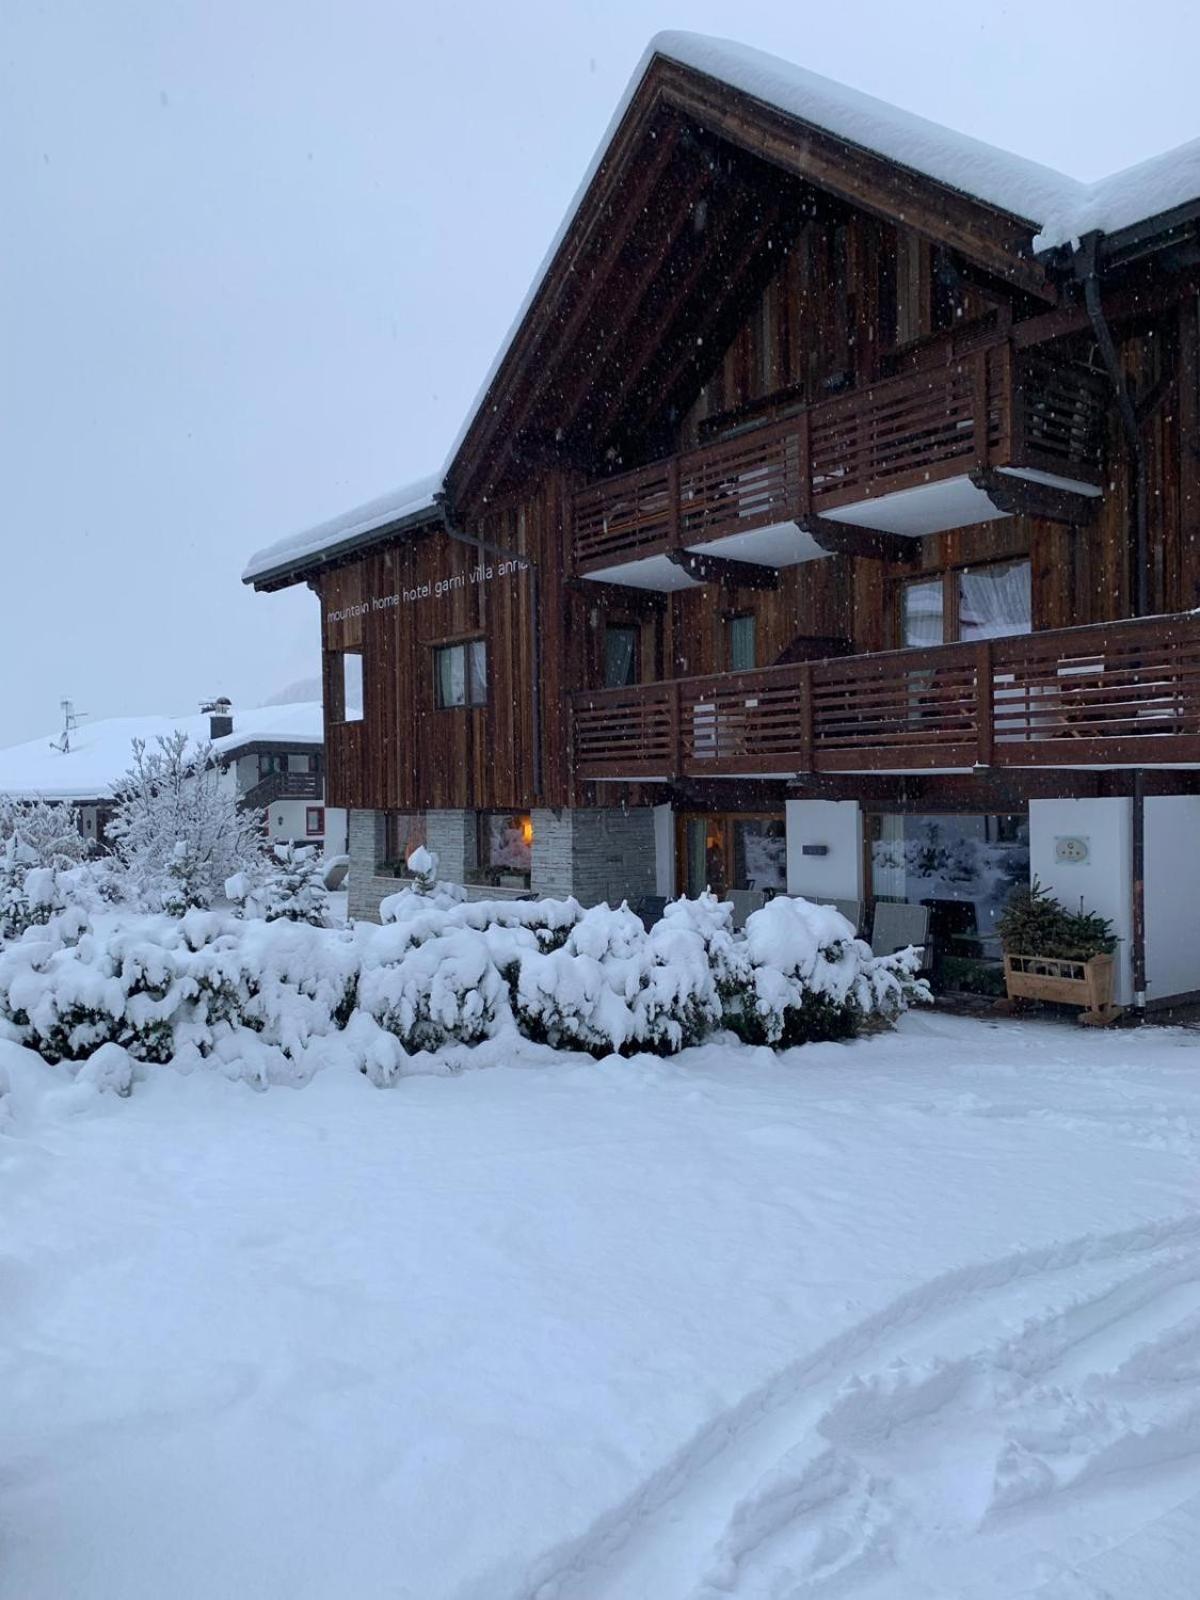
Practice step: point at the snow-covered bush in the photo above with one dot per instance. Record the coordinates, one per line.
(49, 831)
(176, 826)
(274, 999)
(611, 986)
(801, 976)
(29, 892)
(292, 891)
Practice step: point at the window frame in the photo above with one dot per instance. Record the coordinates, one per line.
(337, 709)
(616, 625)
(732, 618)
(488, 872)
(468, 647)
(950, 578)
(309, 813)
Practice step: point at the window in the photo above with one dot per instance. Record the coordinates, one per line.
(963, 866)
(314, 819)
(620, 655)
(269, 763)
(460, 673)
(922, 612)
(967, 603)
(345, 686)
(994, 601)
(743, 651)
(505, 847)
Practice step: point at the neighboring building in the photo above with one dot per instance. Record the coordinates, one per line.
(828, 523)
(273, 757)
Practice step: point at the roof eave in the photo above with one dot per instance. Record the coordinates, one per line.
(302, 568)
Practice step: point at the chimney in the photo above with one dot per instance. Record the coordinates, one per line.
(220, 717)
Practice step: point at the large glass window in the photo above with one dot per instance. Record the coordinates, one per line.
(964, 867)
(620, 655)
(505, 847)
(460, 672)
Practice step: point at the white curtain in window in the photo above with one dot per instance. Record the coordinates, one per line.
(478, 665)
(452, 681)
(995, 601)
(923, 607)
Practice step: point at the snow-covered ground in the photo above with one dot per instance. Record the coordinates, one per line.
(914, 1317)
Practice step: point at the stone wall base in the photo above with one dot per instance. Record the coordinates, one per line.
(596, 854)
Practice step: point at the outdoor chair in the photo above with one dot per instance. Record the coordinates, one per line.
(745, 901)
(899, 924)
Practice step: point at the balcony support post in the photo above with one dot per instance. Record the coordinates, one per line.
(674, 517)
(979, 408)
(984, 728)
(804, 697)
(803, 465)
(675, 764)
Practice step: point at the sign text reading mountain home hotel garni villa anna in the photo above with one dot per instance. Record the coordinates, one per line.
(433, 590)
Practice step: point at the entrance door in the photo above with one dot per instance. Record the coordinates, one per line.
(704, 864)
(732, 850)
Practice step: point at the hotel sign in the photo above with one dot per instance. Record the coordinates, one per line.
(435, 589)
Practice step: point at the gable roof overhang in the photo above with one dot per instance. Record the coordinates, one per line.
(680, 85)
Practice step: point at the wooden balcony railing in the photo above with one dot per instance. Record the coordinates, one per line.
(1114, 695)
(282, 786)
(987, 405)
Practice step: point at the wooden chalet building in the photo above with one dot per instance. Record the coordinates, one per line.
(828, 524)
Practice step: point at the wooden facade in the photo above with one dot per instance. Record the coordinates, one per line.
(743, 308)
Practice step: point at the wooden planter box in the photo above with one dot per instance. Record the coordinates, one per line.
(1073, 983)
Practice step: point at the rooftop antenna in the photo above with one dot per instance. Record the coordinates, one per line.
(71, 720)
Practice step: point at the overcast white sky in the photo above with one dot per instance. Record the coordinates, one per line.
(259, 253)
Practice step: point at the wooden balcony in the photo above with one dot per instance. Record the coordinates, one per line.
(947, 443)
(1117, 695)
(282, 786)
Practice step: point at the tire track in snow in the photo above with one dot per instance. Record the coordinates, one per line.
(965, 1444)
(603, 1563)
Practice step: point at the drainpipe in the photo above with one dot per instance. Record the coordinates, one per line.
(1087, 270)
(535, 608)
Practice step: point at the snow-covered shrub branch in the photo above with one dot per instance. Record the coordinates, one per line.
(278, 994)
(176, 826)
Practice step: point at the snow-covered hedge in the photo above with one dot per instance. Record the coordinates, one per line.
(273, 999)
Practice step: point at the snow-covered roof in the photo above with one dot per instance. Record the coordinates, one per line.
(1059, 207)
(101, 751)
(327, 538)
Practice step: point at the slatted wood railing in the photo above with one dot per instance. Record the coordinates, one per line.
(1117, 694)
(986, 405)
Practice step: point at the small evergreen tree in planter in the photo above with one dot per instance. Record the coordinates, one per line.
(1054, 954)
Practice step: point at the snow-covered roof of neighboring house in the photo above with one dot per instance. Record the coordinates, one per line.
(1060, 207)
(411, 502)
(101, 751)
